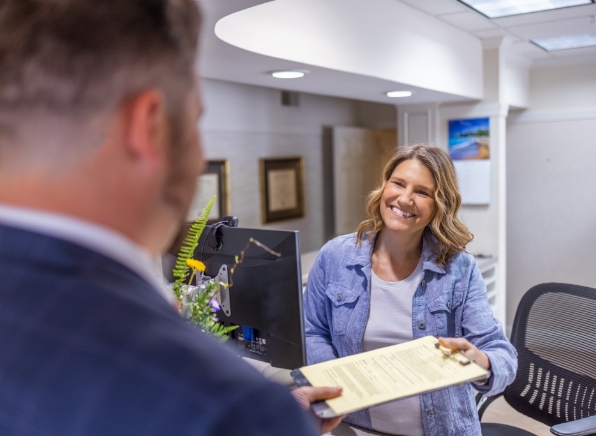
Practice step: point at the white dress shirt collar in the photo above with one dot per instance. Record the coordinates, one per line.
(93, 236)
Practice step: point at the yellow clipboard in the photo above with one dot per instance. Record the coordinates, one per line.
(387, 374)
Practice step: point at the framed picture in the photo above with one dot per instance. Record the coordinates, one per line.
(468, 139)
(282, 189)
(470, 151)
(213, 181)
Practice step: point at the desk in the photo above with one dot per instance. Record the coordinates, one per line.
(277, 375)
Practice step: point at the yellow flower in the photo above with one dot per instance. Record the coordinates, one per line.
(196, 264)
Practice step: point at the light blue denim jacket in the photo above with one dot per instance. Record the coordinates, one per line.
(449, 302)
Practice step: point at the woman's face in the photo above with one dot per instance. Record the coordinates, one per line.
(408, 204)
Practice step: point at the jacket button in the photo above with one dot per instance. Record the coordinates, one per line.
(423, 283)
(339, 297)
(421, 325)
(430, 413)
(449, 304)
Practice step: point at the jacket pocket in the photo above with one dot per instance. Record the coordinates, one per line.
(443, 310)
(343, 301)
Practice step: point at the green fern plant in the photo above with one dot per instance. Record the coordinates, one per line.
(187, 250)
(200, 305)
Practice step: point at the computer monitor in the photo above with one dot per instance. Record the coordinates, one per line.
(266, 295)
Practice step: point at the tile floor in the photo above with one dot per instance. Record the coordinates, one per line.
(502, 412)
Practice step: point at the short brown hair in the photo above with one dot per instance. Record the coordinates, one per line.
(80, 57)
(446, 231)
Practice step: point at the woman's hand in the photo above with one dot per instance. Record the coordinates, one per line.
(466, 348)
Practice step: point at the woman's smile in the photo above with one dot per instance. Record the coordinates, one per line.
(399, 212)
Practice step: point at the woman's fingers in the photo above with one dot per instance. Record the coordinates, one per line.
(456, 343)
(467, 348)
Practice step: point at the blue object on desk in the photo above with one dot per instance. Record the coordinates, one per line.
(249, 334)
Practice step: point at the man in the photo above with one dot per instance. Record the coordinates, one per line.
(99, 155)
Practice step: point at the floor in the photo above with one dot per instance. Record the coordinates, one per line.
(499, 411)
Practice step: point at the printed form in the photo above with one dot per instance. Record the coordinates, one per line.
(390, 373)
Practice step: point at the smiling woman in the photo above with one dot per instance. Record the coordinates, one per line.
(430, 173)
(403, 275)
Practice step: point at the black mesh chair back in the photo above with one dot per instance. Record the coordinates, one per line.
(554, 333)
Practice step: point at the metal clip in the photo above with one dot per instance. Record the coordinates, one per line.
(223, 296)
(451, 354)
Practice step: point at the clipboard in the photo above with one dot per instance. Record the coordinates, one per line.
(387, 374)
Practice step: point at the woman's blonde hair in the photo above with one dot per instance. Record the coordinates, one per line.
(446, 231)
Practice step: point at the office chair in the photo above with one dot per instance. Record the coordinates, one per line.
(554, 332)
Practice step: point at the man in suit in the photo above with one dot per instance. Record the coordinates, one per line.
(99, 155)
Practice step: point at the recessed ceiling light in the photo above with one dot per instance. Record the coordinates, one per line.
(566, 42)
(290, 74)
(399, 94)
(505, 8)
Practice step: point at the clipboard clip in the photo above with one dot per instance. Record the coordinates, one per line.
(451, 354)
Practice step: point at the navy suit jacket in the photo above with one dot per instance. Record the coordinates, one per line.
(87, 347)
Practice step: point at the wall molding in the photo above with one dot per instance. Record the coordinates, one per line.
(534, 116)
(405, 111)
(543, 64)
(474, 110)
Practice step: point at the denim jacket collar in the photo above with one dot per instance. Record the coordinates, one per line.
(362, 255)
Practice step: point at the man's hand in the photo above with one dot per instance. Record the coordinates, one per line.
(308, 394)
(467, 349)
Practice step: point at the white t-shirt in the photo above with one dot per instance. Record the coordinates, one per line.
(390, 323)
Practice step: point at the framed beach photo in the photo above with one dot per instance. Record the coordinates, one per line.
(468, 139)
(282, 189)
(213, 181)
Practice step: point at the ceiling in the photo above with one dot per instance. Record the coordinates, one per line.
(223, 61)
(520, 29)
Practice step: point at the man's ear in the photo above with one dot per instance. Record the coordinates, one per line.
(146, 125)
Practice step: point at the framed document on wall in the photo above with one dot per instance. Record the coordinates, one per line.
(213, 181)
(282, 189)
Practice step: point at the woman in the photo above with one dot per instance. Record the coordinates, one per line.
(402, 276)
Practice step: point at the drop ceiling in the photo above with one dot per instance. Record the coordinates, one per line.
(520, 29)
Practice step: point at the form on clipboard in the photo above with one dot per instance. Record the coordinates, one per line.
(387, 374)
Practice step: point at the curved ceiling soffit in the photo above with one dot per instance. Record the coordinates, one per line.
(384, 39)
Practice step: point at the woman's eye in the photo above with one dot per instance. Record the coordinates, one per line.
(423, 193)
(400, 184)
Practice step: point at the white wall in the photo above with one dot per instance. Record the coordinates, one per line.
(563, 88)
(244, 123)
(551, 183)
(516, 76)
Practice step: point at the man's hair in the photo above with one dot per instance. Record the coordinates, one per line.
(79, 59)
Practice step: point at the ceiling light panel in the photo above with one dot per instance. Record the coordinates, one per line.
(399, 94)
(566, 42)
(290, 74)
(505, 8)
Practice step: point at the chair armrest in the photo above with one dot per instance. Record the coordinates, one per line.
(482, 402)
(579, 427)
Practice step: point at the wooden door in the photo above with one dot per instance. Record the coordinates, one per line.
(359, 156)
